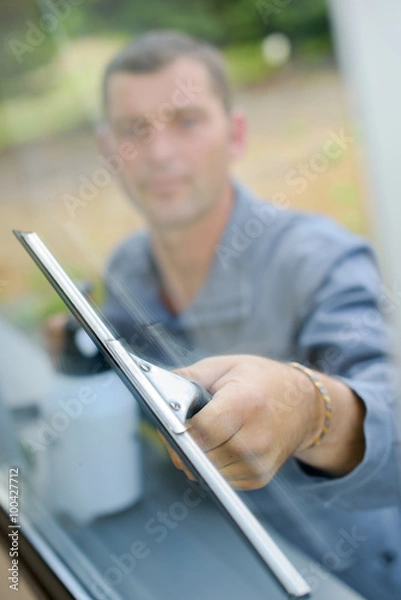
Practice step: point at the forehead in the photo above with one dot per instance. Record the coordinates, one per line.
(185, 81)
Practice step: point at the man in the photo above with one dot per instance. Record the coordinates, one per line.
(218, 272)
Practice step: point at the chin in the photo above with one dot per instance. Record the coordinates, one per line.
(177, 219)
(175, 222)
(175, 211)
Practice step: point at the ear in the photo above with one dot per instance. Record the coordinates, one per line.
(238, 132)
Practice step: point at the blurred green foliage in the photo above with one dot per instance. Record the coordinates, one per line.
(32, 29)
(41, 93)
(221, 21)
(41, 301)
(245, 63)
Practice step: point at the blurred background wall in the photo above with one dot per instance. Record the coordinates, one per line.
(369, 48)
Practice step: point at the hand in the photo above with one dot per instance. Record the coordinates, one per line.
(262, 412)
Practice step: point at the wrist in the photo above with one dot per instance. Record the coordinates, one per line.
(315, 407)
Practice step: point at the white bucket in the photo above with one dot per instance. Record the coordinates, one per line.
(92, 462)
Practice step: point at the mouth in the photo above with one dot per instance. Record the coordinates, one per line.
(166, 185)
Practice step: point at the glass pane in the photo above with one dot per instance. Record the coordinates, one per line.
(99, 497)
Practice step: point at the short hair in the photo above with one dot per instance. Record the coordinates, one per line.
(157, 49)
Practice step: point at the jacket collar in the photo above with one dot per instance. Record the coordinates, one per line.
(226, 293)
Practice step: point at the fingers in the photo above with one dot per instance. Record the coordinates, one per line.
(223, 417)
(219, 420)
(242, 466)
(235, 429)
(162, 438)
(244, 474)
(248, 473)
(231, 453)
(243, 471)
(175, 459)
(53, 330)
(179, 464)
(209, 371)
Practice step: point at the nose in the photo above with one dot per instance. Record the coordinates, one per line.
(161, 147)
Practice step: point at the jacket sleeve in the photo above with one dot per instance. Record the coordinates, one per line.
(344, 332)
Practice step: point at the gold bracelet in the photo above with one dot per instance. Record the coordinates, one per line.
(326, 399)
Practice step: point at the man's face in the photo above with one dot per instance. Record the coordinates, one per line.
(183, 137)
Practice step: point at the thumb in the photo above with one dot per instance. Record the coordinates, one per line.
(208, 371)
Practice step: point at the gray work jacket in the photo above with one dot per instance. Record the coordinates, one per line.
(291, 286)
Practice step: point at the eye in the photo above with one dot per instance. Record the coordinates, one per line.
(129, 132)
(135, 130)
(189, 121)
